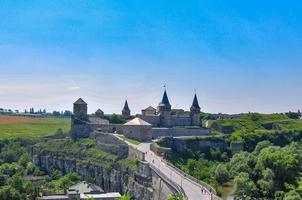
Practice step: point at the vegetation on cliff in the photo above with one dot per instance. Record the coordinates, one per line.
(20, 179)
(269, 168)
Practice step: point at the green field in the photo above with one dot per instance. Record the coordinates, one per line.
(33, 128)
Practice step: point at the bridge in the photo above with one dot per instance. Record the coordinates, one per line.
(191, 188)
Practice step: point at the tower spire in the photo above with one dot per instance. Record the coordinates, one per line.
(126, 110)
(195, 104)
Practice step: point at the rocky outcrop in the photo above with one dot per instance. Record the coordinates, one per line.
(118, 179)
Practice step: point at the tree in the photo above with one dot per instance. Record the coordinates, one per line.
(7, 192)
(116, 119)
(261, 145)
(125, 197)
(18, 183)
(175, 197)
(222, 174)
(245, 186)
(279, 195)
(292, 195)
(68, 180)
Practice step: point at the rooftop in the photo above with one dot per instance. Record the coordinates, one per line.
(84, 187)
(137, 121)
(80, 101)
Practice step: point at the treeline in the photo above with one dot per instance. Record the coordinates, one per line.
(269, 172)
(18, 173)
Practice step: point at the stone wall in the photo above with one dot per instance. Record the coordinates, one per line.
(154, 120)
(179, 132)
(109, 143)
(162, 187)
(181, 120)
(136, 154)
(160, 151)
(181, 145)
(80, 130)
(138, 132)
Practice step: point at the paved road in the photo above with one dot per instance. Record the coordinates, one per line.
(193, 190)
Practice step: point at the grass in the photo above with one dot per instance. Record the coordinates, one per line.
(255, 121)
(34, 128)
(83, 151)
(132, 141)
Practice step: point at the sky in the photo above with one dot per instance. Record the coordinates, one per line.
(240, 56)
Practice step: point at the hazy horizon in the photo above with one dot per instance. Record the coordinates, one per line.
(239, 56)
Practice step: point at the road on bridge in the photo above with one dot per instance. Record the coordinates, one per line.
(193, 190)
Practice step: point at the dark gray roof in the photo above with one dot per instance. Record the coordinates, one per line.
(195, 103)
(80, 101)
(99, 111)
(84, 187)
(165, 100)
(126, 107)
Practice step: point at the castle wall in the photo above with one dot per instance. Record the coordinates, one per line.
(181, 120)
(135, 153)
(154, 120)
(179, 132)
(137, 132)
(109, 143)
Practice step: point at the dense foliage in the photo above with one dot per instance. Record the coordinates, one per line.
(116, 119)
(269, 171)
(20, 179)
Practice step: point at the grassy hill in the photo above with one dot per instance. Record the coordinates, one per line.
(254, 127)
(256, 121)
(27, 127)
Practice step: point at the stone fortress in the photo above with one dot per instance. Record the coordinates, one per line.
(150, 124)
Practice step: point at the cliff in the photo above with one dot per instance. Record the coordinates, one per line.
(108, 171)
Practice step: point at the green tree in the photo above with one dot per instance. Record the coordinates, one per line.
(116, 119)
(68, 180)
(292, 195)
(244, 186)
(125, 197)
(175, 197)
(222, 174)
(7, 192)
(18, 183)
(261, 145)
(279, 195)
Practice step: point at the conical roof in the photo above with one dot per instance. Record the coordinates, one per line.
(126, 107)
(137, 121)
(80, 101)
(195, 103)
(165, 100)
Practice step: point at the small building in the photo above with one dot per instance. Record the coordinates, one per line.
(150, 111)
(84, 190)
(99, 113)
(138, 129)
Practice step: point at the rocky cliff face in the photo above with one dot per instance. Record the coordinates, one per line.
(118, 179)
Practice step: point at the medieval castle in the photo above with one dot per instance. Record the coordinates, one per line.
(151, 123)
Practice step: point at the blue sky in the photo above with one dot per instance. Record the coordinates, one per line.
(239, 55)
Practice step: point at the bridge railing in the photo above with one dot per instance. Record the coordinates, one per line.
(193, 180)
(177, 187)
